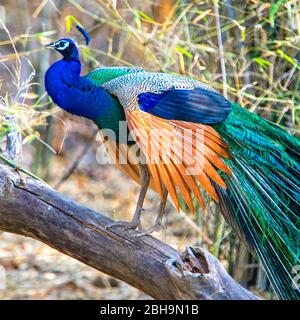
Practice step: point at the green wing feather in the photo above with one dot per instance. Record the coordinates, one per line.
(102, 75)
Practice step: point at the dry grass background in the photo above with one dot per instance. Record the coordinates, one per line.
(261, 55)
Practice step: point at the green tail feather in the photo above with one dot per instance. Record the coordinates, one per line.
(262, 200)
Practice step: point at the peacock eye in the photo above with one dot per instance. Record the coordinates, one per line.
(61, 45)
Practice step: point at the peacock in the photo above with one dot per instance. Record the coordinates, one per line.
(186, 140)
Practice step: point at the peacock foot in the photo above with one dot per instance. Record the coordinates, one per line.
(155, 228)
(126, 225)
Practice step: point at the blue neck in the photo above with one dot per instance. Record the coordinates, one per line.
(71, 54)
(74, 93)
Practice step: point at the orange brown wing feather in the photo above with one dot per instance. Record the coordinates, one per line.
(170, 167)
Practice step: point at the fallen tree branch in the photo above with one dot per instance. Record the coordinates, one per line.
(32, 209)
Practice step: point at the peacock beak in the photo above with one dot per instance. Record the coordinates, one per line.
(50, 46)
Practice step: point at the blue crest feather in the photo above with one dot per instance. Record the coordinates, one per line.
(84, 33)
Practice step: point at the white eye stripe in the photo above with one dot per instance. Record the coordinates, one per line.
(61, 45)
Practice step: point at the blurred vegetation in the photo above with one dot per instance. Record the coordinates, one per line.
(260, 39)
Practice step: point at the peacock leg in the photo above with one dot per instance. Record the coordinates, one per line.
(144, 181)
(158, 221)
(136, 220)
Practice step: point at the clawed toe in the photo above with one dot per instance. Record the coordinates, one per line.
(124, 224)
(155, 228)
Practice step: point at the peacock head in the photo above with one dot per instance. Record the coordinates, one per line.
(66, 47)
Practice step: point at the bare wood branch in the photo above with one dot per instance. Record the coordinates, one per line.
(35, 210)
